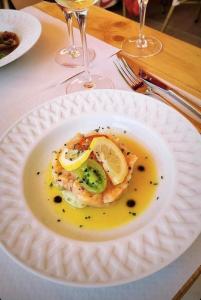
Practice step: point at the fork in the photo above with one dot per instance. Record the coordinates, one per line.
(136, 82)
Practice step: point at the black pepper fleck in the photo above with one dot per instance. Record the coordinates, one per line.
(58, 220)
(81, 226)
(161, 177)
(63, 210)
(51, 184)
(38, 173)
(150, 182)
(157, 198)
(124, 131)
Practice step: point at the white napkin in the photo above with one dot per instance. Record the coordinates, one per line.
(24, 82)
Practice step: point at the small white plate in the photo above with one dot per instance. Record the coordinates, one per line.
(27, 28)
(86, 258)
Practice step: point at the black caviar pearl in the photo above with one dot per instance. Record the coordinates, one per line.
(141, 168)
(57, 199)
(131, 203)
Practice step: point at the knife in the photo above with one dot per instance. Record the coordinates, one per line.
(152, 79)
(176, 100)
(170, 97)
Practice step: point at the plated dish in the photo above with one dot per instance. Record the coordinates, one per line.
(100, 180)
(26, 27)
(151, 238)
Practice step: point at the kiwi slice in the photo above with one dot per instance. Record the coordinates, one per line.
(92, 177)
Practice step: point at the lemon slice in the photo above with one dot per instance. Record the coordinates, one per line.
(71, 159)
(111, 157)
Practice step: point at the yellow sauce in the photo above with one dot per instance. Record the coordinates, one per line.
(142, 189)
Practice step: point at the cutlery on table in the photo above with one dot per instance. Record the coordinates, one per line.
(171, 91)
(139, 84)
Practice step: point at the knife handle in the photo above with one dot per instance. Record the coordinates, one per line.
(178, 103)
(182, 101)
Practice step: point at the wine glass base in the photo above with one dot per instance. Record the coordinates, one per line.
(131, 47)
(73, 59)
(97, 82)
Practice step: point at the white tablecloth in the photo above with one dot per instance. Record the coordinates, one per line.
(17, 283)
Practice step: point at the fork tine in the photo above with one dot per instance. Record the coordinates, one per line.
(123, 74)
(134, 80)
(129, 69)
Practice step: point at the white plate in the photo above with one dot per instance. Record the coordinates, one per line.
(27, 27)
(83, 258)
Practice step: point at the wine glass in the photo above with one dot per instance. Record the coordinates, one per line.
(142, 46)
(87, 80)
(71, 56)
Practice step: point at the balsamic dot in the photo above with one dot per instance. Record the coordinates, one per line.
(141, 168)
(131, 203)
(57, 199)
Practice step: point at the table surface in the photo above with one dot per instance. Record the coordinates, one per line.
(178, 63)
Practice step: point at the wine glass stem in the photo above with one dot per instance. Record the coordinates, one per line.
(81, 18)
(142, 43)
(68, 16)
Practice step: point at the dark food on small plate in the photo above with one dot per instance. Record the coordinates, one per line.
(8, 42)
